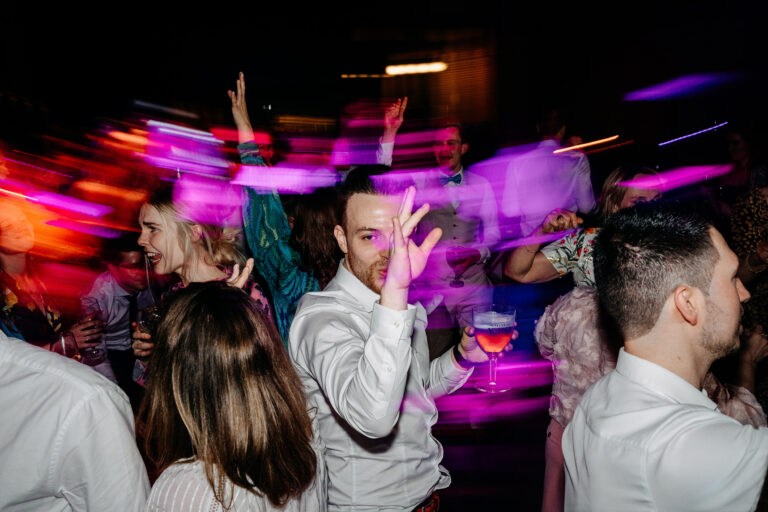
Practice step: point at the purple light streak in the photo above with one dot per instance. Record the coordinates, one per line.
(287, 180)
(680, 86)
(71, 204)
(694, 134)
(677, 178)
(80, 227)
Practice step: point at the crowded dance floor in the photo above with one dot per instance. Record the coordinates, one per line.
(436, 257)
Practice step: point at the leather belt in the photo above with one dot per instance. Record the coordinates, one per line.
(431, 504)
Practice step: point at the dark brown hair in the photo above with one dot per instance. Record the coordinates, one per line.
(312, 234)
(641, 255)
(223, 391)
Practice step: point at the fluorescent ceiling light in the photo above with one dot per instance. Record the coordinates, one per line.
(412, 69)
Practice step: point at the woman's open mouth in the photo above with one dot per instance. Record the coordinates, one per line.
(153, 257)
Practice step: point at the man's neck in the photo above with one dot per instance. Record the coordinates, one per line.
(669, 350)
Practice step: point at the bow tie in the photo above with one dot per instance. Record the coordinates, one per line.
(456, 178)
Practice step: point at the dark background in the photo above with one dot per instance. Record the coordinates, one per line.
(65, 67)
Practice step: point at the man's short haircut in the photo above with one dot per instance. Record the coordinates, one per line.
(641, 255)
(113, 248)
(446, 124)
(549, 122)
(370, 179)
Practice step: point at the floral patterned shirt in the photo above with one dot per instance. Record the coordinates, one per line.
(573, 253)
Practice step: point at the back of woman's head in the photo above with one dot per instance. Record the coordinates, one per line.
(223, 391)
(201, 233)
(312, 234)
(614, 189)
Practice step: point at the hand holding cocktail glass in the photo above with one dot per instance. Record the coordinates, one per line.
(493, 327)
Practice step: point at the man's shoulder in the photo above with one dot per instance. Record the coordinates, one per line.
(21, 362)
(327, 307)
(623, 410)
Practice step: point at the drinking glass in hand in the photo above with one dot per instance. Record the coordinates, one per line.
(147, 319)
(96, 354)
(66, 345)
(494, 325)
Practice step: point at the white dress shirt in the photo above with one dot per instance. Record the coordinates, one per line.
(643, 438)
(66, 436)
(540, 180)
(366, 369)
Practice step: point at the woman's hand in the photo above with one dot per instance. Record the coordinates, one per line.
(238, 279)
(240, 111)
(560, 220)
(142, 347)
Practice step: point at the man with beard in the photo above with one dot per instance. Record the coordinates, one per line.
(645, 436)
(361, 352)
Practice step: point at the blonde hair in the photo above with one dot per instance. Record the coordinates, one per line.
(613, 192)
(216, 244)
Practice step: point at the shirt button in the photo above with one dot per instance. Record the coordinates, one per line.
(397, 323)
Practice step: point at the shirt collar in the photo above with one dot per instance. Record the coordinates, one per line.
(661, 381)
(347, 281)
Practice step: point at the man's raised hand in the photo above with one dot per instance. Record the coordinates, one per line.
(393, 119)
(407, 260)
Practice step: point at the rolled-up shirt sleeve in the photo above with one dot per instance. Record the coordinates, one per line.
(363, 375)
(445, 376)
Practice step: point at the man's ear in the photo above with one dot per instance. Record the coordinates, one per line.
(464, 148)
(686, 301)
(341, 238)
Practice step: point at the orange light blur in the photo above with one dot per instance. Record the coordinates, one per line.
(109, 190)
(587, 144)
(16, 194)
(130, 138)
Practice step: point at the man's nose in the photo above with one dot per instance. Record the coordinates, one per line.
(744, 294)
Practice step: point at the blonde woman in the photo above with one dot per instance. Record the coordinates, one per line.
(195, 243)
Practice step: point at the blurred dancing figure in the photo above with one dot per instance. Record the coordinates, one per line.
(463, 206)
(29, 312)
(116, 296)
(540, 180)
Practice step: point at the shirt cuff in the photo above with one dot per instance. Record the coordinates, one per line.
(388, 323)
(248, 146)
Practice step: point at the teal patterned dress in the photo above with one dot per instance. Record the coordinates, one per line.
(267, 232)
